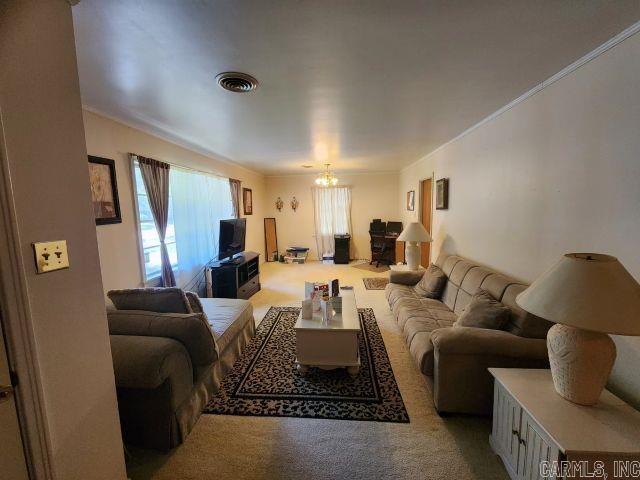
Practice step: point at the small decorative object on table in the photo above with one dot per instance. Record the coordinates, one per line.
(307, 309)
(336, 304)
(335, 287)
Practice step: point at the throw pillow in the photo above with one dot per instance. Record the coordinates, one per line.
(432, 283)
(194, 301)
(160, 300)
(484, 311)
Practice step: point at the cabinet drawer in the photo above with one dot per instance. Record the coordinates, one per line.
(249, 288)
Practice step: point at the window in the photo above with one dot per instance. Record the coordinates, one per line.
(197, 203)
(150, 242)
(332, 213)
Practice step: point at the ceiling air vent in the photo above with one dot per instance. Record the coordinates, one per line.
(237, 82)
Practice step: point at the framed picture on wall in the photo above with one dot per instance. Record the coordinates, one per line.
(104, 190)
(442, 194)
(247, 201)
(411, 200)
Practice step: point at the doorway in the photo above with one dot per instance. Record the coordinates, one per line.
(12, 459)
(425, 218)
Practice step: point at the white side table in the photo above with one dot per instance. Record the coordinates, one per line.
(532, 424)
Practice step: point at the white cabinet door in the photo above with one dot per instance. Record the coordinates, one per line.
(535, 448)
(506, 425)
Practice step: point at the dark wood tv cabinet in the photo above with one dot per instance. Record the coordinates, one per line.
(240, 279)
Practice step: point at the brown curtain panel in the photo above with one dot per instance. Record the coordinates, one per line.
(235, 196)
(155, 175)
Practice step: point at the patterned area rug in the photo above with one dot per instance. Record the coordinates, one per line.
(375, 283)
(264, 381)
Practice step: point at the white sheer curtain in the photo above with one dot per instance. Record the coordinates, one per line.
(200, 201)
(332, 215)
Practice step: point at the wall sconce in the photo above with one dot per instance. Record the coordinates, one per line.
(294, 204)
(279, 204)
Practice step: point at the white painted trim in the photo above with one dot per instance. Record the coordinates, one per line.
(592, 55)
(337, 173)
(162, 134)
(19, 332)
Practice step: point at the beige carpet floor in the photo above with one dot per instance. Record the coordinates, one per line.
(430, 447)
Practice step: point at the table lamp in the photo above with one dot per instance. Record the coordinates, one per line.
(413, 234)
(587, 295)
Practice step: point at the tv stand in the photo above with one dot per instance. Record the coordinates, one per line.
(232, 261)
(238, 277)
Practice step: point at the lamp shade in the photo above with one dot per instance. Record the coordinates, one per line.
(415, 232)
(590, 291)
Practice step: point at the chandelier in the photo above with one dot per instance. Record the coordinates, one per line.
(326, 178)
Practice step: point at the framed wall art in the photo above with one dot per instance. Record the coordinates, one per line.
(247, 201)
(411, 200)
(104, 190)
(442, 194)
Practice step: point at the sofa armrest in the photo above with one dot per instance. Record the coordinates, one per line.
(462, 357)
(147, 362)
(191, 330)
(483, 341)
(406, 277)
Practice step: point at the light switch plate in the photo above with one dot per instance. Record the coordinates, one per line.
(51, 256)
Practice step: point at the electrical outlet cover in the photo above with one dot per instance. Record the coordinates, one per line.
(51, 256)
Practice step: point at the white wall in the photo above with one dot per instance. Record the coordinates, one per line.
(372, 196)
(49, 196)
(559, 172)
(118, 243)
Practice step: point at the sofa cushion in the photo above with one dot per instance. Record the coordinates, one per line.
(522, 323)
(395, 292)
(161, 300)
(425, 308)
(470, 285)
(483, 311)
(432, 283)
(421, 350)
(194, 302)
(190, 329)
(227, 317)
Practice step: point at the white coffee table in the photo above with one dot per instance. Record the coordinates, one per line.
(330, 345)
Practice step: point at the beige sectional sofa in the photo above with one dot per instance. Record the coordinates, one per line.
(455, 359)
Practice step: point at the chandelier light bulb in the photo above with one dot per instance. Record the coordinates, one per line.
(326, 178)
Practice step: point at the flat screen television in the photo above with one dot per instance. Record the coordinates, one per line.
(232, 233)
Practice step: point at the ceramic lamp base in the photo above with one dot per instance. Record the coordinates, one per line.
(581, 362)
(412, 255)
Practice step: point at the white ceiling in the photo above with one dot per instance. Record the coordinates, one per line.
(371, 85)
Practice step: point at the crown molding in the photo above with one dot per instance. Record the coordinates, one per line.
(162, 134)
(582, 61)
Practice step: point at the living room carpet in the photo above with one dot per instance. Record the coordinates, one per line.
(265, 382)
(375, 283)
(372, 268)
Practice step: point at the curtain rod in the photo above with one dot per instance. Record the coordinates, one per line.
(135, 155)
